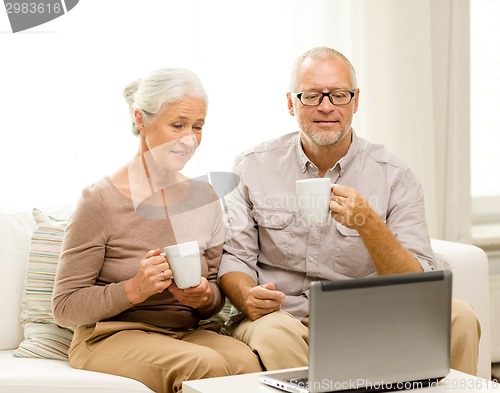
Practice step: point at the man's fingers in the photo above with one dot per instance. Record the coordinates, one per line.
(262, 293)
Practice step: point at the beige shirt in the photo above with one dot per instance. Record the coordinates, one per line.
(107, 237)
(269, 241)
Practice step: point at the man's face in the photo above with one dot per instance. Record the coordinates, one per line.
(325, 124)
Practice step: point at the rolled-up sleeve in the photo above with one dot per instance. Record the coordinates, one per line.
(241, 249)
(406, 219)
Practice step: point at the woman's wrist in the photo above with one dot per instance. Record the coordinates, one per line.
(133, 292)
(211, 307)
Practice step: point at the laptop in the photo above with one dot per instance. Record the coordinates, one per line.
(373, 334)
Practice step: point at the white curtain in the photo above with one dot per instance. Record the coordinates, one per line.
(412, 59)
(451, 49)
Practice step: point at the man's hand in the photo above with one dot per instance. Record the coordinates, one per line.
(263, 299)
(349, 208)
(254, 300)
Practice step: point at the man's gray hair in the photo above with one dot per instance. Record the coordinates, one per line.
(321, 52)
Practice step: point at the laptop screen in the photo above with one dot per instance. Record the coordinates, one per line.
(385, 329)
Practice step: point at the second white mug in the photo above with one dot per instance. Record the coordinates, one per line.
(313, 198)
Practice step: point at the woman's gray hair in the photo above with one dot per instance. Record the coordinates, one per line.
(161, 87)
(321, 52)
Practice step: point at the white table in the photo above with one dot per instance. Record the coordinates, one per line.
(456, 381)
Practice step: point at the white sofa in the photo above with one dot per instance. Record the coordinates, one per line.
(470, 282)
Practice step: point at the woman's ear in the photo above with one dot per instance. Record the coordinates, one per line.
(139, 121)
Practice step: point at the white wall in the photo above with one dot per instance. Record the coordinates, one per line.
(65, 124)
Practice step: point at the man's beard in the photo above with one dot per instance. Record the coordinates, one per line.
(327, 139)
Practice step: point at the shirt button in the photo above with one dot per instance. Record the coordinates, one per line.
(311, 259)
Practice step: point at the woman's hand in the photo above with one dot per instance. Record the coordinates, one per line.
(193, 297)
(154, 276)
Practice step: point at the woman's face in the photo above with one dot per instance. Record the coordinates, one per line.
(174, 134)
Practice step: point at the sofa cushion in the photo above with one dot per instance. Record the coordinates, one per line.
(15, 233)
(42, 336)
(442, 261)
(44, 340)
(18, 375)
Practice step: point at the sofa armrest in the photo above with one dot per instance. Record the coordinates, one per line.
(469, 265)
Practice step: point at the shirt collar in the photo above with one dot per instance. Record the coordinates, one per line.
(303, 159)
(351, 153)
(343, 162)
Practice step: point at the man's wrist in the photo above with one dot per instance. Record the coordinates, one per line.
(368, 221)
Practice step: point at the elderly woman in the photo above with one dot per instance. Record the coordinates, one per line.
(113, 283)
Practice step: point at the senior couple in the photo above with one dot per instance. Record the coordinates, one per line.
(116, 288)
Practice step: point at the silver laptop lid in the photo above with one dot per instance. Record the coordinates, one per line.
(379, 330)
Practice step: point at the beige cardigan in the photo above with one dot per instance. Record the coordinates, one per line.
(106, 239)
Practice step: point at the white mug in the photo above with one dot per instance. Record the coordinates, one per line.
(313, 198)
(185, 263)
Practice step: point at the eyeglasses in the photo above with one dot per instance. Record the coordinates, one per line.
(314, 98)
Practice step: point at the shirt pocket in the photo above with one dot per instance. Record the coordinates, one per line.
(351, 255)
(348, 232)
(274, 235)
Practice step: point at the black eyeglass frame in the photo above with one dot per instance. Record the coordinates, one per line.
(323, 95)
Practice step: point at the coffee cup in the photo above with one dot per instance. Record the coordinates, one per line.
(185, 263)
(313, 198)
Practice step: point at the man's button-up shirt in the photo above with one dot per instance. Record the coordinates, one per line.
(268, 239)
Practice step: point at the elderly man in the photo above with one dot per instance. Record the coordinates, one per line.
(378, 225)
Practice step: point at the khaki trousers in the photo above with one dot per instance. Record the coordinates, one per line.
(281, 340)
(159, 358)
